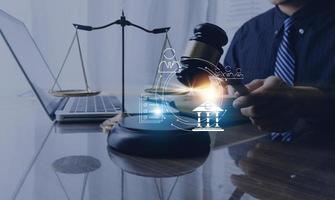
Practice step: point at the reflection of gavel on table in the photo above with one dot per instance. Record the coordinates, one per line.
(278, 171)
(202, 55)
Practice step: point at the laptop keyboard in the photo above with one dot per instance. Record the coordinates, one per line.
(95, 104)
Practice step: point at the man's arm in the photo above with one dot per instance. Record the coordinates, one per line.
(274, 106)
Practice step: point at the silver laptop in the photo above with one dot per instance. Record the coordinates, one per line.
(40, 77)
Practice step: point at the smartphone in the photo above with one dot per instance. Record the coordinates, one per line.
(238, 86)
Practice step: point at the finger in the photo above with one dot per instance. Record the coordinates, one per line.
(256, 83)
(257, 89)
(257, 111)
(273, 80)
(253, 85)
(251, 99)
(249, 111)
(265, 106)
(264, 110)
(273, 84)
(242, 101)
(271, 91)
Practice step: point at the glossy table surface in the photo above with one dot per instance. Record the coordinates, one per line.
(41, 160)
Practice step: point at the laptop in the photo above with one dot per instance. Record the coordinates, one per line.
(40, 77)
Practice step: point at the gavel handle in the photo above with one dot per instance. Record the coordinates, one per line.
(238, 86)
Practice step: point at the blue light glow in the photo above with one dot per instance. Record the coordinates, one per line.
(158, 111)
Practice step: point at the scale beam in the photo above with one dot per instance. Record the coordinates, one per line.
(123, 22)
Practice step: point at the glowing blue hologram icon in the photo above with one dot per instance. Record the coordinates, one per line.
(169, 63)
(208, 108)
(151, 110)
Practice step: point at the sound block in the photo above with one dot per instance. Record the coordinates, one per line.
(171, 138)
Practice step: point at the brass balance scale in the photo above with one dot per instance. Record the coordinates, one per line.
(124, 130)
(156, 86)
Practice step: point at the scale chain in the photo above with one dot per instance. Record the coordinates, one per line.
(75, 37)
(82, 61)
(64, 61)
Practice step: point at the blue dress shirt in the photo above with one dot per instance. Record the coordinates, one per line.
(254, 46)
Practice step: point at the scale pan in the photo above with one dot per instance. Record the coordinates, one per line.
(166, 91)
(74, 93)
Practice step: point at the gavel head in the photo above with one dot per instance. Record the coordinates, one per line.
(202, 54)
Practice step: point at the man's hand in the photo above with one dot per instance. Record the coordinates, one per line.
(271, 104)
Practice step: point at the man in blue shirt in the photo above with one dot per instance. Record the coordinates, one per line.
(287, 56)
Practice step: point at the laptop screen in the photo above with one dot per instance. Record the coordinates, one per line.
(30, 60)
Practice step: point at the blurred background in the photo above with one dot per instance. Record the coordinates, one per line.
(50, 23)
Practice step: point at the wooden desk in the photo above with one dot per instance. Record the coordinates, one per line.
(242, 165)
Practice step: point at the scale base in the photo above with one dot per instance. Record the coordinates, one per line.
(157, 140)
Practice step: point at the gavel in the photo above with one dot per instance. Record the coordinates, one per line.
(202, 55)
